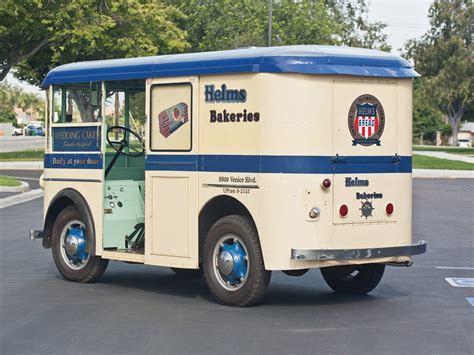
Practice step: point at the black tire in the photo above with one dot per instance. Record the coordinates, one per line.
(257, 278)
(295, 273)
(187, 272)
(353, 279)
(92, 269)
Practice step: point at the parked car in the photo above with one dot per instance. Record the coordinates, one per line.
(17, 132)
(464, 143)
(33, 130)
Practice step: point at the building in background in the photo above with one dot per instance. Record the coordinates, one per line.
(466, 131)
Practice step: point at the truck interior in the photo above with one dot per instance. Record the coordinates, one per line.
(123, 125)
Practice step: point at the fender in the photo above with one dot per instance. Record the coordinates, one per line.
(63, 199)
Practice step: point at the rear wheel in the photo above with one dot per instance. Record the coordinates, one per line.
(295, 273)
(233, 262)
(353, 279)
(69, 248)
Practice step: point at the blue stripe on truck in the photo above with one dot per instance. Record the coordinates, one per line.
(246, 163)
(280, 164)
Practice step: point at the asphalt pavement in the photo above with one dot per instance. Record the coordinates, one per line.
(137, 309)
(13, 144)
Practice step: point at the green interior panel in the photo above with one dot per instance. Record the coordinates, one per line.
(126, 168)
(124, 208)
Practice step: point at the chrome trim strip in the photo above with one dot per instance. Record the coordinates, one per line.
(355, 254)
(71, 179)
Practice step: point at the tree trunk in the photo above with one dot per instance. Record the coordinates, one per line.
(69, 105)
(4, 73)
(18, 58)
(454, 119)
(82, 103)
(454, 129)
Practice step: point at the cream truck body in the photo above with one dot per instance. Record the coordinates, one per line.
(265, 131)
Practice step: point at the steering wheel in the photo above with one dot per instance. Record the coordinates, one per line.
(120, 145)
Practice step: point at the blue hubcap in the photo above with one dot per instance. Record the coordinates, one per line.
(232, 262)
(73, 240)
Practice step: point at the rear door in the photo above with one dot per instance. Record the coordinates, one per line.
(365, 149)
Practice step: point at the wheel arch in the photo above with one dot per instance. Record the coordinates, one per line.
(63, 199)
(216, 208)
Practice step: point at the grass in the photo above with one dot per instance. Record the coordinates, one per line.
(24, 155)
(424, 162)
(8, 181)
(452, 150)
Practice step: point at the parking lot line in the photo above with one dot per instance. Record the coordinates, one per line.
(470, 300)
(455, 267)
(460, 281)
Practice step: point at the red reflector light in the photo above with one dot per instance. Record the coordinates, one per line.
(343, 210)
(389, 209)
(326, 184)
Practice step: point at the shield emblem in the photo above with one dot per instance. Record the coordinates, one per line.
(366, 120)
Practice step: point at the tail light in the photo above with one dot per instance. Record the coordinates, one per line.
(389, 209)
(326, 184)
(343, 210)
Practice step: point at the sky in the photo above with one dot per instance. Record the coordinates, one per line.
(405, 20)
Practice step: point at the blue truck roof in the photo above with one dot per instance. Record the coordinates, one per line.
(304, 59)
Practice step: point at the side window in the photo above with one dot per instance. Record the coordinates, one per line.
(117, 102)
(170, 121)
(77, 104)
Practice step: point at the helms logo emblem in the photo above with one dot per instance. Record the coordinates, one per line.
(366, 120)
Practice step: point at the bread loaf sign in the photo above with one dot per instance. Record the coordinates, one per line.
(172, 118)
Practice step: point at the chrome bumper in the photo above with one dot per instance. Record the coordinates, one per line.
(355, 254)
(36, 234)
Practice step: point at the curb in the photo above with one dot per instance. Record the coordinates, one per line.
(442, 174)
(21, 165)
(20, 198)
(24, 187)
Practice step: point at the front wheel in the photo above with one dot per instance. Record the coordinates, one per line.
(69, 248)
(353, 279)
(233, 262)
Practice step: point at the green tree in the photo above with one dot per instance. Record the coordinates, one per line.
(12, 96)
(227, 24)
(8, 117)
(355, 29)
(105, 29)
(426, 117)
(27, 27)
(444, 59)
